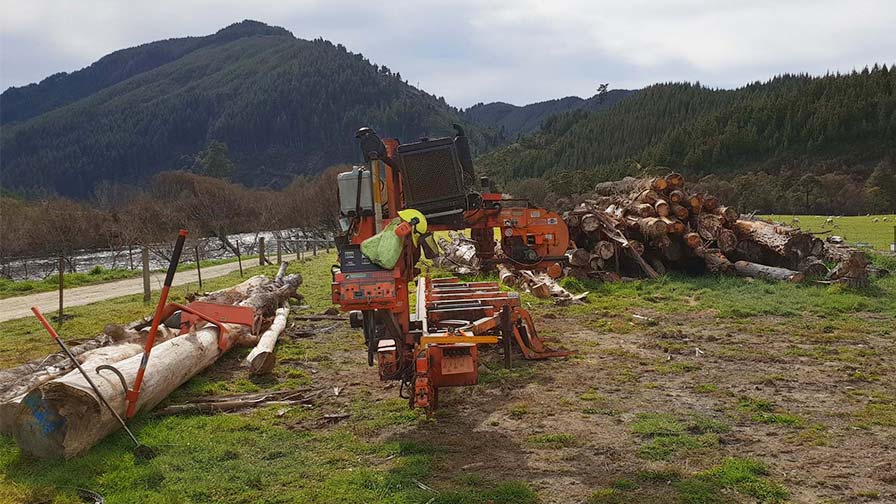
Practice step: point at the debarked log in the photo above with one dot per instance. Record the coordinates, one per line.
(261, 359)
(749, 269)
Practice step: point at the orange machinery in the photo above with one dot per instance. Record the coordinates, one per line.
(435, 345)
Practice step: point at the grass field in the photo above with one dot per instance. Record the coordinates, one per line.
(12, 288)
(855, 229)
(726, 391)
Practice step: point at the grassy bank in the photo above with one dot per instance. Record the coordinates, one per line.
(97, 275)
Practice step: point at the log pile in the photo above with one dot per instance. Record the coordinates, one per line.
(645, 227)
(55, 413)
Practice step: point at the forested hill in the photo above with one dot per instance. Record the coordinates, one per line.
(282, 105)
(792, 124)
(512, 121)
(57, 90)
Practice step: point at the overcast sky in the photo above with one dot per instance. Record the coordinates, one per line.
(518, 51)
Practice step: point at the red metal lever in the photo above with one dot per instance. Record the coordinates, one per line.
(134, 393)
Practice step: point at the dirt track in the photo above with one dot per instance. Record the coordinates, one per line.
(18, 307)
(594, 398)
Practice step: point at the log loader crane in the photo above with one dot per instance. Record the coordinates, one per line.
(430, 184)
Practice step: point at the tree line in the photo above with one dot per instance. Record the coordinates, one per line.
(835, 127)
(794, 191)
(118, 216)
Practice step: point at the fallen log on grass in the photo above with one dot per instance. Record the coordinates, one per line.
(507, 277)
(789, 245)
(64, 417)
(813, 268)
(261, 359)
(716, 262)
(748, 269)
(19, 381)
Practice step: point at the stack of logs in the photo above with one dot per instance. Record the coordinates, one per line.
(637, 227)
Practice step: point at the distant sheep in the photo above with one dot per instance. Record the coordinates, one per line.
(875, 220)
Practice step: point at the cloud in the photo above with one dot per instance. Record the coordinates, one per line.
(469, 51)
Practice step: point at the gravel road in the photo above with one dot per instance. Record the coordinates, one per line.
(20, 306)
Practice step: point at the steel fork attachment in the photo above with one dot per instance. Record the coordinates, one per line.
(451, 302)
(456, 317)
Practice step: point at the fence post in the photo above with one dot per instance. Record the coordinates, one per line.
(298, 251)
(198, 269)
(146, 291)
(131, 257)
(239, 258)
(261, 251)
(61, 286)
(314, 245)
(279, 251)
(328, 246)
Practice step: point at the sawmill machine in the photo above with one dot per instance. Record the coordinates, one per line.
(430, 186)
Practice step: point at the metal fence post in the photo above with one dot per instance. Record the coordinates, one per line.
(198, 269)
(239, 258)
(146, 291)
(61, 285)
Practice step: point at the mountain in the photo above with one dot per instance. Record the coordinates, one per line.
(283, 106)
(57, 90)
(512, 121)
(792, 123)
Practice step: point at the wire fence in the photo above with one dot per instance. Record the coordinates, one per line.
(276, 244)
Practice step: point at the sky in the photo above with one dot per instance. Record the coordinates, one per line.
(517, 51)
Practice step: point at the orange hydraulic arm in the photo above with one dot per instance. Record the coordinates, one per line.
(436, 345)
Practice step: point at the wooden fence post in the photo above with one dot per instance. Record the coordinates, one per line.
(315, 248)
(239, 258)
(146, 292)
(298, 251)
(61, 285)
(279, 251)
(198, 269)
(261, 251)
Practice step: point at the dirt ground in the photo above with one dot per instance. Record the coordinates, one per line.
(683, 390)
(816, 408)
